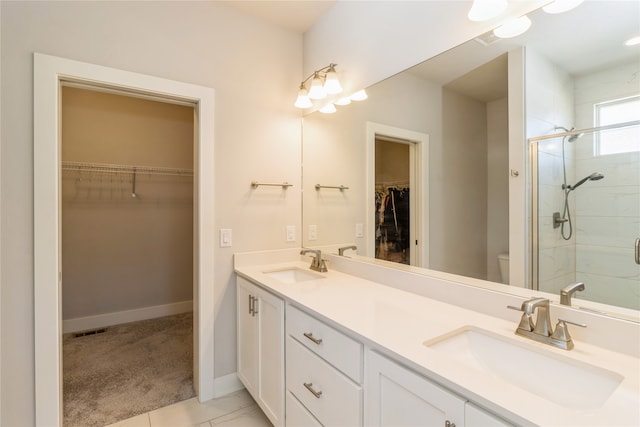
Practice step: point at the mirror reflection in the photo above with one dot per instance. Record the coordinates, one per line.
(458, 123)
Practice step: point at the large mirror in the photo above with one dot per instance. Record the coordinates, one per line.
(435, 170)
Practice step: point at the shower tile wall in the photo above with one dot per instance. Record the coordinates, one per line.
(550, 103)
(607, 211)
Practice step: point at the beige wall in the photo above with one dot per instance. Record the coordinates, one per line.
(121, 252)
(254, 68)
(463, 188)
(497, 185)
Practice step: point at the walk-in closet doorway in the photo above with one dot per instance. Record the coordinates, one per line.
(50, 74)
(127, 254)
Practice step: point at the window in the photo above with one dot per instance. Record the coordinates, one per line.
(623, 140)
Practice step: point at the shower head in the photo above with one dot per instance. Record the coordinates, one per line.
(593, 177)
(572, 138)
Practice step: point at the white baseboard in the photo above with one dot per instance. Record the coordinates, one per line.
(226, 384)
(109, 319)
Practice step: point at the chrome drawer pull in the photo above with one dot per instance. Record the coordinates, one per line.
(312, 338)
(309, 387)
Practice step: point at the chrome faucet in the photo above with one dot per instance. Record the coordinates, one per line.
(317, 263)
(568, 291)
(341, 250)
(541, 330)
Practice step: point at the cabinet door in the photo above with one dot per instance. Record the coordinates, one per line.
(270, 314)
(247, 336)
(396, 396)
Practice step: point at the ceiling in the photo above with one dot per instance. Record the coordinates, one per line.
(299, 15)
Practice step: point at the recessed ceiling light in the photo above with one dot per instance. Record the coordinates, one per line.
(633, 41)
(513, 28)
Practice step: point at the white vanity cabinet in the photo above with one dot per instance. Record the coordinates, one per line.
(396, 396)
(260, 333)
(324, 373)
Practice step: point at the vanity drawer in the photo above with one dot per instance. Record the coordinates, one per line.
(329, 395)
(297, 414)
(336, 348)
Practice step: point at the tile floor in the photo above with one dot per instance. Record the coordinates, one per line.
(234, 410)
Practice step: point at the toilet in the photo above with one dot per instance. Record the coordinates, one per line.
(503, 263)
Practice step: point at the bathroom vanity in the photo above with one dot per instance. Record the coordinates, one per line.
(339, 349)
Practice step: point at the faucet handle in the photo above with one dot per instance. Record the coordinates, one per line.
(561, 332)
(526, 322)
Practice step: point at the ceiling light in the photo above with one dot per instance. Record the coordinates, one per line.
(360, 95)
(323, 82)
(632, 41)
(303, 100)
(328, 109)
(483, 10)
(560, 6)
(513, 27)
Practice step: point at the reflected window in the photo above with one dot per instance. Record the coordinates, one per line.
(625, 140)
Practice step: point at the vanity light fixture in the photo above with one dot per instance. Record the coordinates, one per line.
(360, 95)
(483, 10)
(560, 6)
(512, 28)
(323, 82)
(328, 109)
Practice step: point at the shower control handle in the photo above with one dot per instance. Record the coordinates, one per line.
(638, 250)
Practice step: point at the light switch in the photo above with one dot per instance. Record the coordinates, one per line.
(225, 237)
(313, 232)
(359, 230)
(291, 233)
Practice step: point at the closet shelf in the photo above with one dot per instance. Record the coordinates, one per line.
(101, 168)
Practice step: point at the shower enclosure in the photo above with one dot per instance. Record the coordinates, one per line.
(586, 212)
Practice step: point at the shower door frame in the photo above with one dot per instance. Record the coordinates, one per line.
(533, 158)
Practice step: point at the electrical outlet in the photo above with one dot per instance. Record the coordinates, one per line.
(359, 230)
(291, 233)
(313, 232)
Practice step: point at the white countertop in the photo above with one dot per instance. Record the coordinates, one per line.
(398, 323)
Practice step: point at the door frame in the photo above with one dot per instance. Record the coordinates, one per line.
(49, 74)
(419, 185)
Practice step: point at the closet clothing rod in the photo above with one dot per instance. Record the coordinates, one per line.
(127, 169)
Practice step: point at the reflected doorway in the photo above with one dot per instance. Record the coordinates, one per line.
(397, 195)
(393, 200)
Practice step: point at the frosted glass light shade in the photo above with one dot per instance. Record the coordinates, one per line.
(633, 41)
(328, 109)
(303, 100)
(360, 95)
(560, 6)
(513, 27)
(316, 91)
(483, 10)
(343, 101)
(331, 83)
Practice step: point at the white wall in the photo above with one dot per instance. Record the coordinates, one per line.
(257, 138)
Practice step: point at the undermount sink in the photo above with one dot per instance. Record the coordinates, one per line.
(293, 275)
(561, 380)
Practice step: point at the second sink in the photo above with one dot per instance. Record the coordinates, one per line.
(561, 380)
(293, 275)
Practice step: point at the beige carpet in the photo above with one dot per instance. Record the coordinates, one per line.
(130, 369)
